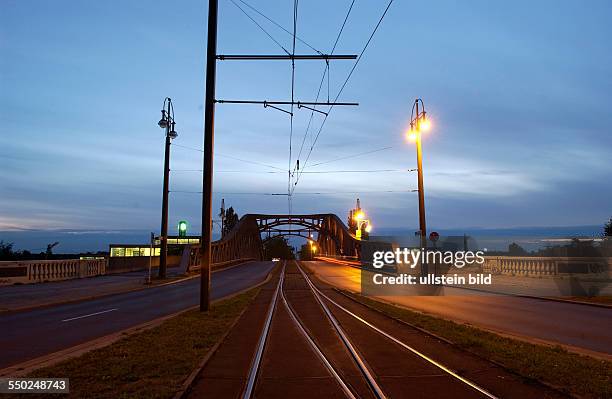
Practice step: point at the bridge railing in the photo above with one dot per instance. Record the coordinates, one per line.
(546, 266)
(242, 243)
(36, 271)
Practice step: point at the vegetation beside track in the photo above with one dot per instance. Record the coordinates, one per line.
(150, 364)
(575, 374)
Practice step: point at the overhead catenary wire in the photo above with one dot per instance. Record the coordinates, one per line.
(351, 156)
(325, 71)
(260, 27)
(280, 26)
(289, 178)
(230, 157)
(341, 90)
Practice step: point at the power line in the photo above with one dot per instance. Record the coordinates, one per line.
(342, 89)
(325, 71)
(289, 180)
(351, 156)
(260, 27)
(230, 157)
(280, 26)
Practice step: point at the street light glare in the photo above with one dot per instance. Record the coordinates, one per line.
(368, 228)
(359, 216)
(412, 136)
(425, 125)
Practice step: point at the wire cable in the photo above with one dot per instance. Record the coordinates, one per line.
(261, 27)
(230, 157)
(342, 89)
(289, 178)
(351, 156)
(325, 71)
(280, 26)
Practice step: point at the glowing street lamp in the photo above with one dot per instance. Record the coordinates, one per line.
(420, 123)
(166, 122)
(313, 247)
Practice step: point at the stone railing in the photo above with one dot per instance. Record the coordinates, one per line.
(546, 266)
(37, 271)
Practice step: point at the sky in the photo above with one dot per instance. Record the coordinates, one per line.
(519, 94)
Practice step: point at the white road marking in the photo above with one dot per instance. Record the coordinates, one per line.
(91, 314)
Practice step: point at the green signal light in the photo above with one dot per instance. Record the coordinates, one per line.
(182, 228)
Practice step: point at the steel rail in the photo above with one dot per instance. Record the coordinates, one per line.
(400, 343)
(314, 346)
(378, 392)
(248, 391)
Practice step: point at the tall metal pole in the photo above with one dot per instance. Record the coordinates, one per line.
(422, 224)
(209, 136)
(164, 222)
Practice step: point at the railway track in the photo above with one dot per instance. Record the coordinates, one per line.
(356, 353)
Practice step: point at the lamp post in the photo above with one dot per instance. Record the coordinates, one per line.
(362, 223)
(418, 124)
(313, 248)
(166, 122)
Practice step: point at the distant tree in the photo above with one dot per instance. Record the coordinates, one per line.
(231, 220)
(516, 250)
(278, 247)
(6, 251)
(305, 252)
(608, 228)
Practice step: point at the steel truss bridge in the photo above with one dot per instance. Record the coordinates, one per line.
(246, 239)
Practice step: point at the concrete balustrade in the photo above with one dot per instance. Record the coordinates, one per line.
(37, 271)
(546, 266)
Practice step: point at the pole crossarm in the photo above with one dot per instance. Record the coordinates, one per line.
(268, 103)
(274, 57)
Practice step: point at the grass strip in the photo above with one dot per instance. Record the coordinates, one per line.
(150, 364)
(576, 374)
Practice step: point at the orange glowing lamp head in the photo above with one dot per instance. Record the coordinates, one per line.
(425, 124)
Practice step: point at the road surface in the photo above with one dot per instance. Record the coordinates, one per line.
(30, 334)
(579, 326)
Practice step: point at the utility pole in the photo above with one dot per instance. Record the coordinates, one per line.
(209, 131)
(209, 138)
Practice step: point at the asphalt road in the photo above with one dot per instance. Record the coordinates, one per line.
(29, 334)
(580, 326)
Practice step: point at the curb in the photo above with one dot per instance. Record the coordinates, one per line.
(28, 366)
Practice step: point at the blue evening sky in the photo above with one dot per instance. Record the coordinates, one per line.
(519, 92)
